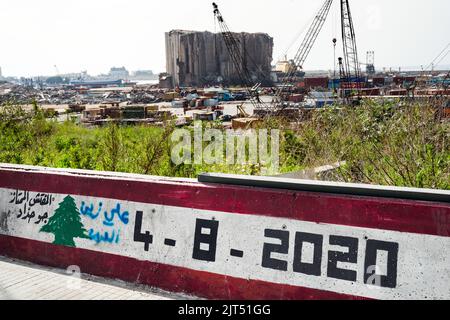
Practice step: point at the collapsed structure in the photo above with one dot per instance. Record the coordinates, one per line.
(200, 58)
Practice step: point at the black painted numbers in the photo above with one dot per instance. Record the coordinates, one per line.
(205, 240)
(316, 255)
(347, 253)
(373, 248)
(350, 256)
(300, 266)
(269, 248)
(139, 236)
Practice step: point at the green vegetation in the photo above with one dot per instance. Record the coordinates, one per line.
(388, 144)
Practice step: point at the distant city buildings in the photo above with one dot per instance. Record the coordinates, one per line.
(143, 75)
(118, 74)
(83, 75)
(121, 73)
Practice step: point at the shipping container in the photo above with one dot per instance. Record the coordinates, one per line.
(320, 82)
(245, 123)
(370, 92)
(353, 85)
(204, 116)
(211, 102)
(334, 84)
(152, 108)
(199, 103)
(379, 81)
(77, 107)
(93, 114)
(434, 92)
(398, 80)
(296, 98)
(398, 92)
(112, 113)
(179, 103)
(134, 112)
(170, 96)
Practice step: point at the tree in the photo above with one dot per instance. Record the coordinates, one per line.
(66, 224)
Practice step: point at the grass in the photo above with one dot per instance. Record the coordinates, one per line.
(387, 144)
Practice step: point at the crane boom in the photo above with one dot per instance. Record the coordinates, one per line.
(351, 62)
(238, 57)
(306, 45)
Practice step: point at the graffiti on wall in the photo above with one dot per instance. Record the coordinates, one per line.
(66, 224)
(277, 242)
(111, 219)
(338, 258)
(29, 204)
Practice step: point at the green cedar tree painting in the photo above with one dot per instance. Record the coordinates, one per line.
(66, 224)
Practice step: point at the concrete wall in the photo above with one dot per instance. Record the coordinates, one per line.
(199, 58)
(225, 241)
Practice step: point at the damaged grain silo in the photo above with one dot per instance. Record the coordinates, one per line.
(201, 58)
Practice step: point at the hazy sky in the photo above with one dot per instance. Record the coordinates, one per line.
(94, 35)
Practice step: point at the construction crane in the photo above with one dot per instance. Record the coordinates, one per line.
(238, 58)
(350, 63)
(305, 47)
(433, 63)
(349, 66)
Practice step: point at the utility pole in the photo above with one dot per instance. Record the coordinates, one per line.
(334, 57)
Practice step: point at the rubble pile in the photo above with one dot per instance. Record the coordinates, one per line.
(25, 95)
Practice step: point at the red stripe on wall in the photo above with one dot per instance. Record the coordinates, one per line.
(169, 278)
(367, 212)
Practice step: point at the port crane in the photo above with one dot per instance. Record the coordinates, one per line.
(351, 62)
(239, 58)
(349, 65)
(304, 49)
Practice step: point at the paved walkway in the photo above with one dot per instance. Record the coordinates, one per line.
(25, 281)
